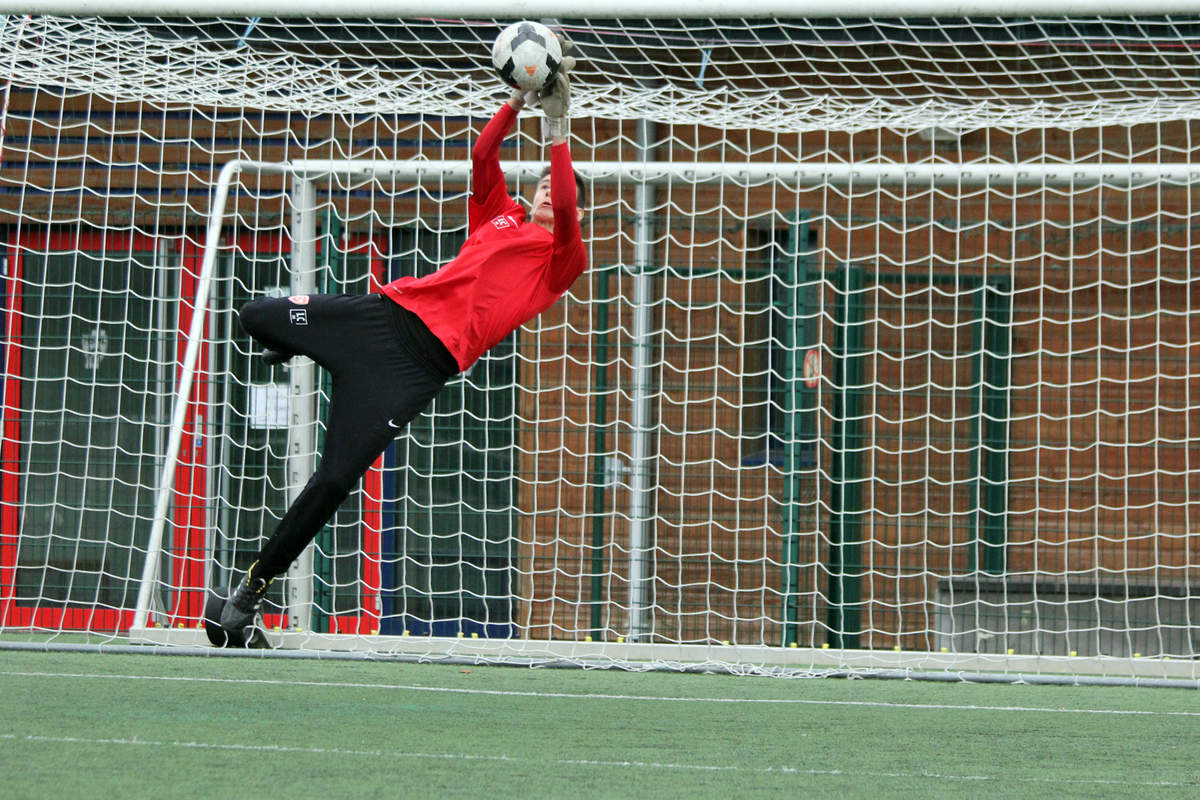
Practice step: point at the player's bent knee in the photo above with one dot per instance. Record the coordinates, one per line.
(255, 316)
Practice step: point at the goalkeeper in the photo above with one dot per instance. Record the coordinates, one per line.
(389, 354)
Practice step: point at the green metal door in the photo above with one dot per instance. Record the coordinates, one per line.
(94, 396)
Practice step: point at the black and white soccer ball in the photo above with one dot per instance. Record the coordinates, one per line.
(526, 56)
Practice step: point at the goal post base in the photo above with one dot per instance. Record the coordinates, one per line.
(718, 658)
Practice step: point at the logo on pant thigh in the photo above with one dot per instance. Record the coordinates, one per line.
(298, 299)
(298, 316)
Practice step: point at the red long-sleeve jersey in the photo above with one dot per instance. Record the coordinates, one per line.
(509, 270)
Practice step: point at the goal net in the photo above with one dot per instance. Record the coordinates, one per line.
(887, 357)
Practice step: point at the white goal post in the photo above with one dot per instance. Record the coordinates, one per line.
(887, 359)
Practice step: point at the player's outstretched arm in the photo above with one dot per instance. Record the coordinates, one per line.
(488, 189)
(570, 259)
(485, 156)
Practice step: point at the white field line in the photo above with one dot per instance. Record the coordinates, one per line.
(569, 762)
(591, 696)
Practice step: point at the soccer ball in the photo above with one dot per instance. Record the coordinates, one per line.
(526, 55)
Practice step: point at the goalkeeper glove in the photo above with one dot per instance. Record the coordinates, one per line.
(519, 98)
(555, 102)
(566, 46)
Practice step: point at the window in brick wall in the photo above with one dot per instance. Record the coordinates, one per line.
(775, 319)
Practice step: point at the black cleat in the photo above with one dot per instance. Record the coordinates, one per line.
(235, 621)
(275, 357)
(212, 619)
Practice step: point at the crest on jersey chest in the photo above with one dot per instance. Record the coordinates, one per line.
(503, 222)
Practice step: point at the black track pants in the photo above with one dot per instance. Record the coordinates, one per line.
(380, 383)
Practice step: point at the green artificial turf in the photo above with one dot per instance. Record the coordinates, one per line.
(106, 725)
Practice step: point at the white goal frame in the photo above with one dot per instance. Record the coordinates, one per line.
(643, 175)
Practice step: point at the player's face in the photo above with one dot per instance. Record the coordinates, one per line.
(543, 212)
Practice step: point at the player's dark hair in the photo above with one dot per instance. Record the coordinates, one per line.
(580, 187)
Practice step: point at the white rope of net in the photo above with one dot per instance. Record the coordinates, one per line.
(127, 61)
